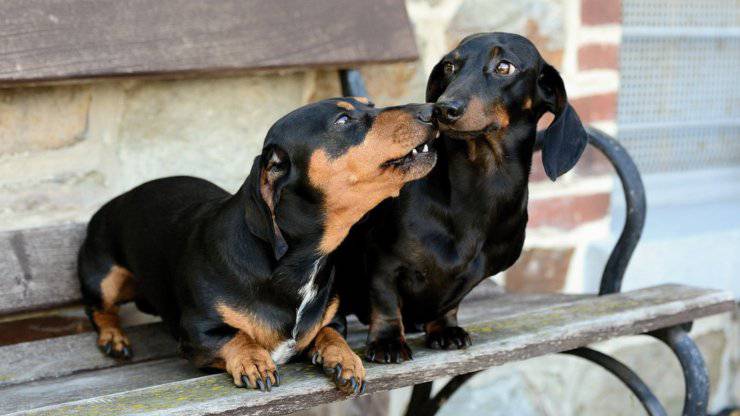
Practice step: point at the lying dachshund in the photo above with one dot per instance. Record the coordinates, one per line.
(420, 254)
(243, 280)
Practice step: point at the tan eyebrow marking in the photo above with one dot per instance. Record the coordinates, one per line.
(345, 105)
(363, 100)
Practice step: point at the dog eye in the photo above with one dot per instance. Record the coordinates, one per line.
(343, 119)
(505, 68)
(450, 68)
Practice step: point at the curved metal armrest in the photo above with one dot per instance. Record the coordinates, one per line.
(634, 195)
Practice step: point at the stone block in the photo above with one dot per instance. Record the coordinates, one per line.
(539, 20)
(42, 118)
(211, 128)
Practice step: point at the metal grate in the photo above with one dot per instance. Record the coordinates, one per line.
(679, 101)
(681, 13)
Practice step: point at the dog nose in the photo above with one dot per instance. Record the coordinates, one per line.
(425, 114)
(448, 112)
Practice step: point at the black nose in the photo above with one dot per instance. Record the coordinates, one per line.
(425, 113)
(448, 112)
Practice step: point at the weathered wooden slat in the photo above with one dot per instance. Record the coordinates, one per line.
(47, 40)
(38, 267)
(66, 355)
(61, 356)
(496, 339)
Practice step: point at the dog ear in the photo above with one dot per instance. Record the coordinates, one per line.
(435, 86)
(274, 169)
(565, 139)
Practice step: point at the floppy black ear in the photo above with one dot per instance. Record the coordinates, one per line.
(435, 84)
(565, 139)
(274, 168)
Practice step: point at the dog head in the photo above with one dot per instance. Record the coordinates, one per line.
(496, 81)
(333, 161)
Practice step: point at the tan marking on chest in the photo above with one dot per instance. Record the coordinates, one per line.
(264, 335)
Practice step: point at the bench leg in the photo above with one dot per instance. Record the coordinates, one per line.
(628, 377)
(692, 364)
(422, 404)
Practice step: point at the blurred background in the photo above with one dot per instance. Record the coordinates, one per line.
(661, 75)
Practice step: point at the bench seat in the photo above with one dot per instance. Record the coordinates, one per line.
(68, 375)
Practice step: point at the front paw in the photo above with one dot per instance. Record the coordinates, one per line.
(448, 337)
(392, 350)
(339, 362)
(250, 365)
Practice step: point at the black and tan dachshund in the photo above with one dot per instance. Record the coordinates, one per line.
(243, 280)
(418, 255)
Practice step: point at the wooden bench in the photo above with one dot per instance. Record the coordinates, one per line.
(66, 374)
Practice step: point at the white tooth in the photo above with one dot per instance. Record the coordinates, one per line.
(436, 136)
(414, 152)
(425, 148)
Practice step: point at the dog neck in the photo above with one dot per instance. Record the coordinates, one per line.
(244, 227)
(479, 174)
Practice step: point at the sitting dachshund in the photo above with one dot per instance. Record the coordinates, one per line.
(418, 255)
(243, 280)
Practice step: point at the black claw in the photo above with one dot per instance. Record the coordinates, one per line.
(277, 378)
(396, 356)
(370, 356)
(338, 371)
(459, 343)
(315, 357)
(468, 340)
(353, 382)
(387, 357)
(268, 383)
(127, 353)
(260, 384)
(245, 381)
(107, 348)
(363, 388)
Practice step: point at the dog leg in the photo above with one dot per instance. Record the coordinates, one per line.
(115, 288)
(248, 363)
(333, 353)
(444, 333)
(386, 342)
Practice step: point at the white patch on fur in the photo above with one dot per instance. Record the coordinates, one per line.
(286, 350)
(283, 352)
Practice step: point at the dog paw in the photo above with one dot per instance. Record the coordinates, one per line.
(394, 350)
(339, 362)
(448, 337)
(114, 343)
(253, 368)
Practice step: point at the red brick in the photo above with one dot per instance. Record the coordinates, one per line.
(539, 270)
(602, 107)
(598, 56)
(600, 12)
(567, 212)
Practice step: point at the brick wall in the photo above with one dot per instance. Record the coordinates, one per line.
(567, 215)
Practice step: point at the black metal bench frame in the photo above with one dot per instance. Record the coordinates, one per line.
(695, 374)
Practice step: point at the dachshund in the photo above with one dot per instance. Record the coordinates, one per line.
(244, 281)
(418, 255)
